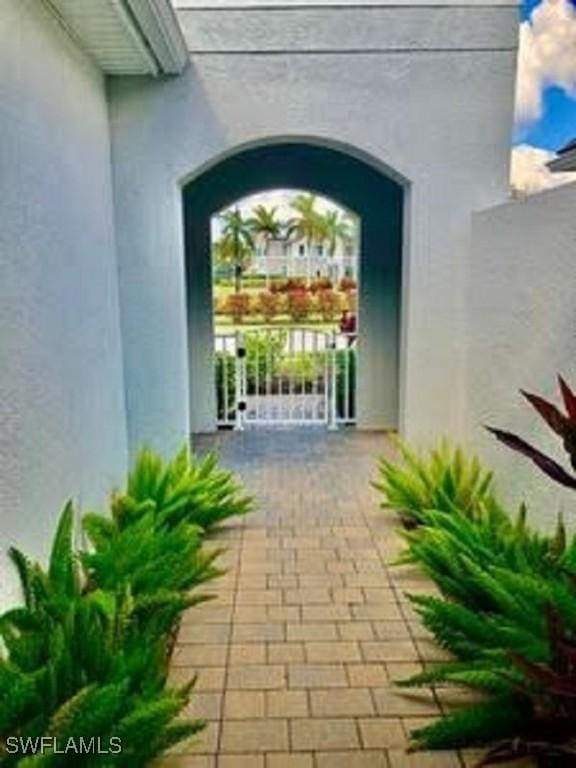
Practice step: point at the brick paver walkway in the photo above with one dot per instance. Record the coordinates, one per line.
(297, 654)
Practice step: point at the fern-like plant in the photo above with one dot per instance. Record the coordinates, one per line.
(442, 479)
(87, 652)
(506, 614)
(82, 662)
(185, 489)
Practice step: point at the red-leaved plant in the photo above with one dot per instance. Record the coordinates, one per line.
(563, 424)
(550, 689)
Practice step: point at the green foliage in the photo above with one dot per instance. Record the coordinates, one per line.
(475, 725)
(185, 489)
(346, 383)
(225, 365)
(264, 355)
(149, 557)
(506, 613)
(443, 479)
(86, 654)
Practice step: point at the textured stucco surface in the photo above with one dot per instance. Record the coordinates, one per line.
(440, 119)
(346, 29)
(522, 321)
(374, 198)
(62, 422)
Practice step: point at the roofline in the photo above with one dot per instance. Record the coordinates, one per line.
(564, 162)
(151, 25)
(158, 26)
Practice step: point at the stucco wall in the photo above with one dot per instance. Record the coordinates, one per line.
(429, 95)
(62, 421)
(522, 332)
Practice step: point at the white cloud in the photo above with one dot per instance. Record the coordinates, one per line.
(529, 172)
(547, 56)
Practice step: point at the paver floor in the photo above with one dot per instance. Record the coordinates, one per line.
(298, 653)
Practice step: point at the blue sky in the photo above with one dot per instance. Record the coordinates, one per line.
(557, 123)
(556, 127)
(527, 7)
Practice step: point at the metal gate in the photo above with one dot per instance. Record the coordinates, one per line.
(285, 376)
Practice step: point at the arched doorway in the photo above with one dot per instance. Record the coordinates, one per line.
(355, 184)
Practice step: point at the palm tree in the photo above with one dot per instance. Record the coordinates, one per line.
(265, 224)
(307, 224)
(337, 229)
(267, 227)
(236, 246)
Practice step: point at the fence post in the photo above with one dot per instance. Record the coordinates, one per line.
(332, 423)
(240, 381)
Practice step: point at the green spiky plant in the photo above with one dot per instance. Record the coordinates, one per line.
(149, 557)
(450, 547)
(442, 479)
(87, 653)
(529, 709)
(185, 489)
(79, 662)
(507, 615)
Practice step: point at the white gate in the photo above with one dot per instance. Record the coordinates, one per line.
(285, 376)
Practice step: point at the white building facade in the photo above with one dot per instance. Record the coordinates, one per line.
(295, 258)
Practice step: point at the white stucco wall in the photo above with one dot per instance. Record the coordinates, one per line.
(62, 419)
(424, 88)
(522, 332)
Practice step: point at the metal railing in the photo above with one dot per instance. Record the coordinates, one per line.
(285, 376)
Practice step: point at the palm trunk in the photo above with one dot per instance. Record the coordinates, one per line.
(237, 267)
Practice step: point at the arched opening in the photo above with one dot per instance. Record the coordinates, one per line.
(354, 184)
(284, 291)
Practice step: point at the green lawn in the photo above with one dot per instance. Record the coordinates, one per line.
(225, 324)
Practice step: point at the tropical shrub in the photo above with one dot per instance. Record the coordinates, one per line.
(299, 305)
(347, 284)
(82, 662)
(293, 284)
(320, 284)
(225, 370)
(87, 653)
(351, 301)
(184, 489)
(520, 654)
(269, 304)
(562, 424)
(507, 612)
(143, 554)
(452, 546)
(277, 286)
(305, 369)
(346, 383)
(328, 303)
(442, 479)
(238, 305)
(263, 358)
